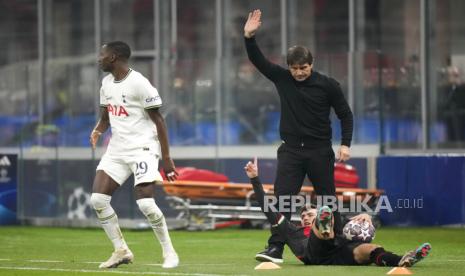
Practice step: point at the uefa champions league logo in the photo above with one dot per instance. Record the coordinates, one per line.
(4, 164)
(4, 175)
(78, 203)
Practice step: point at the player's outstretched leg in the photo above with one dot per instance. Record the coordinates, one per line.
(414, 256)
(367, 253)
(109, 221)
(324, 221)
(157, 221)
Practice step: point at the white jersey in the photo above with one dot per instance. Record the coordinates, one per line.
(126, 101)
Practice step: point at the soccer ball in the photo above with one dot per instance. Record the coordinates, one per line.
(359, 231)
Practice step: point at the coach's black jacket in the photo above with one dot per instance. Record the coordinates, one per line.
(305, 105)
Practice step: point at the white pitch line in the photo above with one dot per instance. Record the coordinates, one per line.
(44, 261)
(107, 271)
(93, 262)
(215, 240)
(191, 264)
(440, 261)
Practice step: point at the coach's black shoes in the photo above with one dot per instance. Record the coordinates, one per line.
(415, 256)
(271, 254)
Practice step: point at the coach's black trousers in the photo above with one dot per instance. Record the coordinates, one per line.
(294, 163)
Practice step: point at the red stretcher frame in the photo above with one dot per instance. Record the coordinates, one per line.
(204, 205)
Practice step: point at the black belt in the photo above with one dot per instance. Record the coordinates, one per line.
(306, 142)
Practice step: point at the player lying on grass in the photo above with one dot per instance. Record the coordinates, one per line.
(314, 243)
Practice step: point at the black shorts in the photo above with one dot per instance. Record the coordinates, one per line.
(339, 251)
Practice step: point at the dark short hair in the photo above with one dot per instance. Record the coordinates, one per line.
(299, 55)
(120, 48)
(306, 208)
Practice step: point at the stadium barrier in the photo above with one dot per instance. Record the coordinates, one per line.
(423, 190)
(55, 189)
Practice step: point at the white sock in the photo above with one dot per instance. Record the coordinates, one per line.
(157, 221)
(108, 219)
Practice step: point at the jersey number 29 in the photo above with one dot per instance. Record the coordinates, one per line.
(141, 168)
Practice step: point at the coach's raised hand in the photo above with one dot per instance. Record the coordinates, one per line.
(253, 23)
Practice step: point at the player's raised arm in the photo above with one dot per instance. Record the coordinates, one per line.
(101, 126)
(168, 164)
(251, 168)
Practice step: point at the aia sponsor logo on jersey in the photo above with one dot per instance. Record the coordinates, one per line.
(117, 110)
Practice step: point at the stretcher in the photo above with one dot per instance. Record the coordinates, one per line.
(205, 205)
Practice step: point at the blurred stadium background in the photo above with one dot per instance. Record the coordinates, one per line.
(400, 64)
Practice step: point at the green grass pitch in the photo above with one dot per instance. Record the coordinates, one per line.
(62, 251)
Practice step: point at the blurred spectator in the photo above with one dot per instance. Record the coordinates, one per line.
(453, 105)
(254, 99)
(143, 24)
(410, 72)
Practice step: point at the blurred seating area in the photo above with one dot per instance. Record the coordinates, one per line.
(73, 131)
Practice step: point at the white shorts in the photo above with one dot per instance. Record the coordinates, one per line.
(144, 166)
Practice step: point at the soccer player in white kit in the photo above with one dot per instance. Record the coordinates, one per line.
(129, 105)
